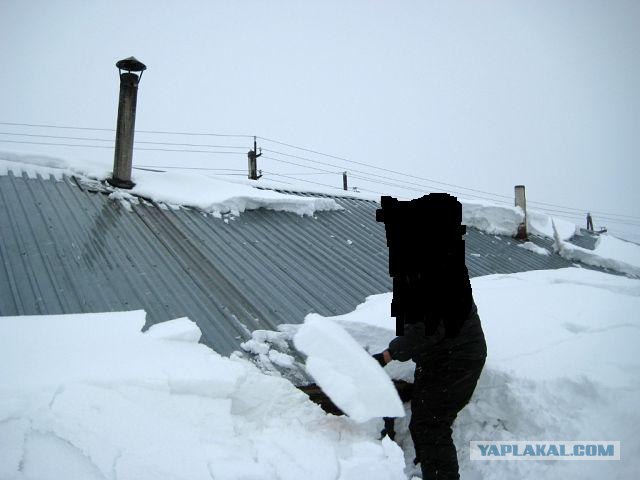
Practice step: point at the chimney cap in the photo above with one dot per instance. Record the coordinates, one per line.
(131, 64)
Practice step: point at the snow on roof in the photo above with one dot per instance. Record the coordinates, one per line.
(217, 196)
(206, 193)
(609, 253)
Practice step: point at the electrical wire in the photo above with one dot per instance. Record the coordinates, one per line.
(113, 140)
(302, 180)
(68, 127)
(392, 171)
(169, 167)
(617, 218)
(111, 147)
(375, 167)
(298, 164)
(431, 180)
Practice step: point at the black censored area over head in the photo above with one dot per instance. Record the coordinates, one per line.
(426, 260)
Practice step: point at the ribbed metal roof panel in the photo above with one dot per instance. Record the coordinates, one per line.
(67, 248)
(585, 239)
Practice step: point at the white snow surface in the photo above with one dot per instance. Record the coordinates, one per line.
(562, 365)
(532, 247)
(353, 380)
(491, 218)
(90, 396)
(539, 223)
(610, 252)
(209, 194)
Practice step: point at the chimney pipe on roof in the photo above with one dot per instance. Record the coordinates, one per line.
(521, 201)
(344, 181)
(123, 156)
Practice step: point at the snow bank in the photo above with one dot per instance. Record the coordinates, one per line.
(542, 224)
(34, 165)
(504, 220)
(91, 397)
(491, 218)
(172, 188)
(353, 380)
(609, 252)
(562, 365)
(620, 250)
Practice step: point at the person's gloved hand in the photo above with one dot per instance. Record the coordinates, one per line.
(380, 358)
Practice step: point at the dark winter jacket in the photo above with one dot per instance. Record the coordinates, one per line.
(468, 344)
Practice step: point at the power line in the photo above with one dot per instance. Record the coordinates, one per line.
(431, 180)
(316, 152)
(112, 140)
(111, 147)
(312, 173)
(277, 181)
(392, 171)
(581, 217)
(372, 166)
(298, 164)
(191, 168)
(57, 126)
(584, 210)
(58, 137)
(403, 186)
(68, 127)
(302, 180)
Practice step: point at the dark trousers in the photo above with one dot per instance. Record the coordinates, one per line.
(441, 390)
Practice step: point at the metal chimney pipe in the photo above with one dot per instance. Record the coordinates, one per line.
(125, 129)
(521, 201)
(344, 181)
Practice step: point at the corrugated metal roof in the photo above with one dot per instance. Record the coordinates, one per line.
(67, 248)
(585, 239)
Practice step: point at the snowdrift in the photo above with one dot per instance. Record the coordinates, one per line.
(562, 365)
(92, 397)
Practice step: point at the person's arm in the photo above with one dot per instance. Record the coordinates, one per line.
(413, 342)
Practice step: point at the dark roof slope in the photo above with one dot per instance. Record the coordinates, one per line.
(68, 248)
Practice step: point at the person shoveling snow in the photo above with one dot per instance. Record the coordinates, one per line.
(437, 322)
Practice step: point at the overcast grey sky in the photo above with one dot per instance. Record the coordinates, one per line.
(482, 94)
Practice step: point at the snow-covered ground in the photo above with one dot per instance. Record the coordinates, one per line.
(562, 365)
(90, 396)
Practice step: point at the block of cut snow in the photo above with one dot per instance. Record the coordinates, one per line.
(346, 372)
(180, 330)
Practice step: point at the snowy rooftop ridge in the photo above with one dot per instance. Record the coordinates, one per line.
(208, 194)
(227, 196)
